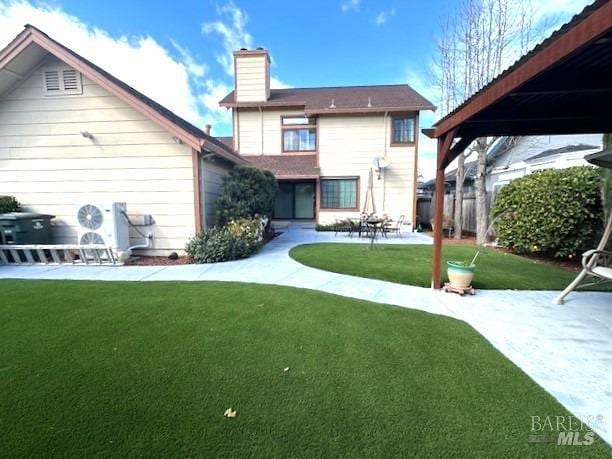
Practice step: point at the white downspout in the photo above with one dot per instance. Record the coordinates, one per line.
(382, 173)
(261, 128)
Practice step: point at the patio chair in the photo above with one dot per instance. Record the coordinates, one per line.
(364, 228)
(394, 226)
(448, 224)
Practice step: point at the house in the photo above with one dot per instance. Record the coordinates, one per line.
(71, 133)
(513, 157)
(335, 151)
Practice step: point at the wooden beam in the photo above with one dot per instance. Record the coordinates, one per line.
(457, 149)
(540, 128)
(444, 144)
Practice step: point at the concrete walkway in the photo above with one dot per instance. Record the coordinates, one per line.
(565, 349)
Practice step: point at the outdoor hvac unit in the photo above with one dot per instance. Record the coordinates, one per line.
(103, 224)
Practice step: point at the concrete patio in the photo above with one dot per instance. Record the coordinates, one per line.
(565, 349)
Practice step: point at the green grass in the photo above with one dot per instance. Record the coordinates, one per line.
(147, 369)
(411, 264)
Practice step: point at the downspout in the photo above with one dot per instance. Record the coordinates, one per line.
(384, 203)
(261, 127)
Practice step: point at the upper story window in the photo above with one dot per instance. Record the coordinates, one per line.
(402, 130)
(299, 133)
(59, 81)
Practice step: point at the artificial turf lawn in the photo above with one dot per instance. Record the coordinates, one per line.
(147, 369)
(411, 264)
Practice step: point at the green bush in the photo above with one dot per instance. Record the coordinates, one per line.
(245, 193)
(554, 212)
(9, 204)
(238, 239)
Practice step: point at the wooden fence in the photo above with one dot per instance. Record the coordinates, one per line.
(425, 209)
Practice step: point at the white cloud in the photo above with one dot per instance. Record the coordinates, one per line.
(350, 5)
(384, 16)
(140, 61)
(231, 27)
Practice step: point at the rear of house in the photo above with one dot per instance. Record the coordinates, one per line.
(71, 134)
(336, 151)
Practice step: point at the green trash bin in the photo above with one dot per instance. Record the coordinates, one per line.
(25, 228)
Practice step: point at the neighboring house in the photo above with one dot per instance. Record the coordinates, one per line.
(322, 143)
(70, 133)
(514, 157)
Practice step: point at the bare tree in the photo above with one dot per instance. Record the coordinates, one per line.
(477, 41)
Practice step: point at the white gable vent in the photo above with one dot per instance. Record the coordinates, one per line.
(62, 81)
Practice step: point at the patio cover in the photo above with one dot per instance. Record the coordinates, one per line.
(562, 86)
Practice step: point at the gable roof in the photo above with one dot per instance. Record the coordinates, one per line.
(179, 127)
(346, 99)
(563, 150)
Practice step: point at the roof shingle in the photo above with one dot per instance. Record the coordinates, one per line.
(286, 166)
(344, 99)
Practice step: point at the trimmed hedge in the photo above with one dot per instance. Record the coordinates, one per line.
(245, 193)
(553, 212)
(9, 204)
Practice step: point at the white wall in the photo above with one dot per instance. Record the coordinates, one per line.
(49, 167)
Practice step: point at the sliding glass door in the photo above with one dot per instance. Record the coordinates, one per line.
(295, 200)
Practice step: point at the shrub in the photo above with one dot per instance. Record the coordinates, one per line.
(238, 239)
(246, 192)
(9, 204)
(249, 230)
(340, 226)
(553, 212)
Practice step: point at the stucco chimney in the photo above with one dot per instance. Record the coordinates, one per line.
(207, 129)
(252, 75)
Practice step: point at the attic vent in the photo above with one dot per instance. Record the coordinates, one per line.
(62, 81)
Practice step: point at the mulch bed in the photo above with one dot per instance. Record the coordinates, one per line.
(570, 265)
(157, 261)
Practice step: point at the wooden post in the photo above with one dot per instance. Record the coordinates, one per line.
(438, 221)
(444, 144)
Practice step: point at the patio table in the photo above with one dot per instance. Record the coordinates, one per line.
(376, 226)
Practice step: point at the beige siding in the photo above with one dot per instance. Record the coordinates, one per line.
(212, 173)
(347, 147)
(50, 167)
(251, 78)
(253, 123)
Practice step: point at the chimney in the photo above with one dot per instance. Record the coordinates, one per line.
(251, 75)
(207, 129)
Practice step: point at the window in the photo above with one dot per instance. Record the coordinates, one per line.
(58, 81)
(299, 133)
(402, 131)
(339, 193)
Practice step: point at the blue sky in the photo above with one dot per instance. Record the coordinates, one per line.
(312, 43)
(179, 52)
